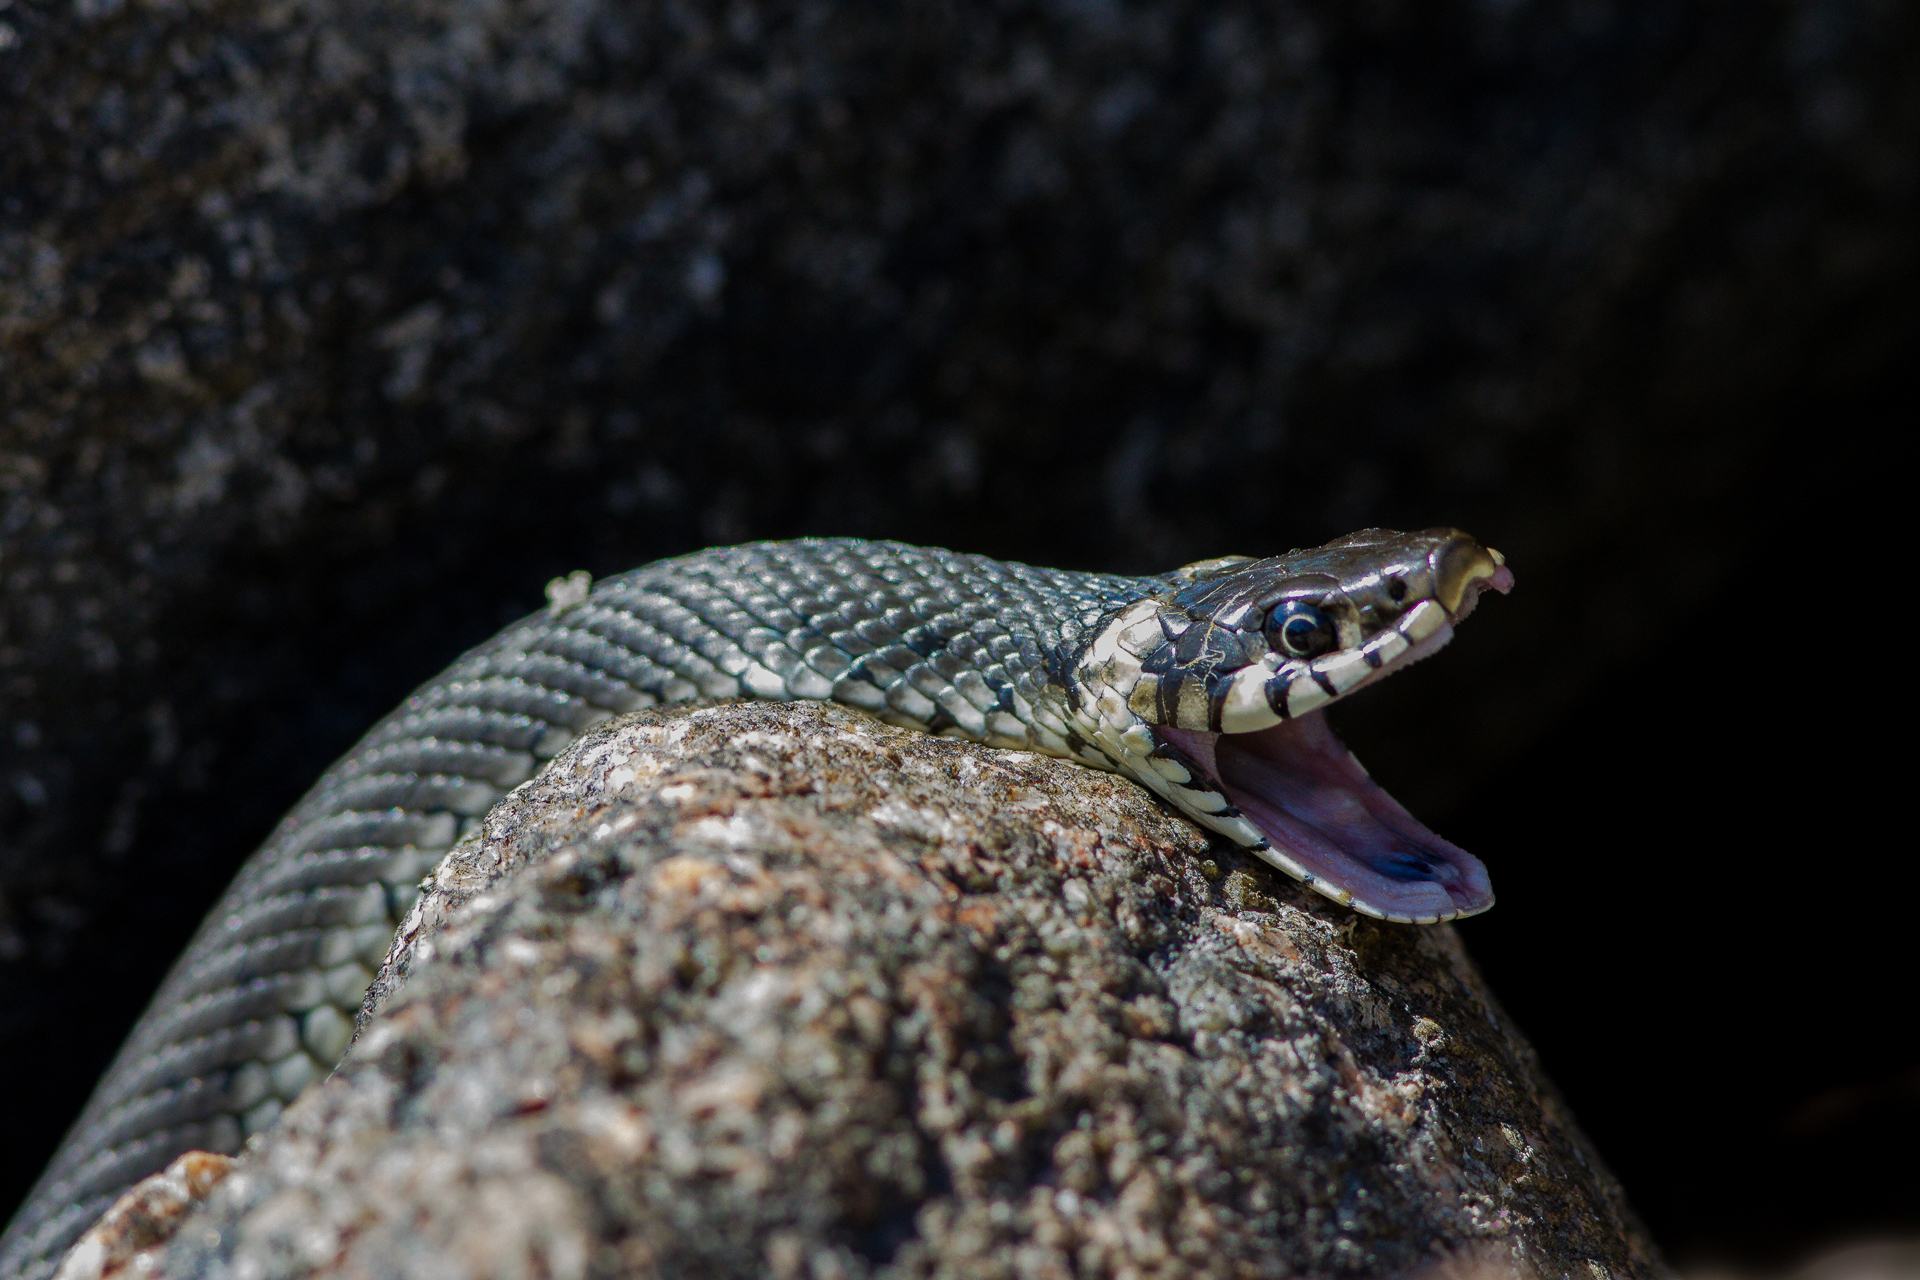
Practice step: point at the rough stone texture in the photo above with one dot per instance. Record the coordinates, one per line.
(144, 1218)
(330, 330)
(763, 990)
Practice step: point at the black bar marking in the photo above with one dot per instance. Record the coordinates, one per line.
(1277, 689)
(1166, 698)
(1218, 685)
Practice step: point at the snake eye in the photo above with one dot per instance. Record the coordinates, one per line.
(1299, 630)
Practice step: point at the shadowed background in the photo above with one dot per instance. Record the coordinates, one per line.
(330, 331)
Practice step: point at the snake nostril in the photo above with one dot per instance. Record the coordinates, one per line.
(1397, 589)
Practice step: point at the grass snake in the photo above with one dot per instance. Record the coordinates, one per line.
(1205, 684)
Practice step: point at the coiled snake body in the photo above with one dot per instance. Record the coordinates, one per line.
(1204, 684)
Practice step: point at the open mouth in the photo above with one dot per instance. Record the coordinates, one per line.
(1320, 812)
(1330, 824)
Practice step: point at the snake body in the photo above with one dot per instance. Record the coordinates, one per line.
(1204, 684)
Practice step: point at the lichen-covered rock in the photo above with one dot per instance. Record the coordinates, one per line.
(754, 990)
(146, 1217)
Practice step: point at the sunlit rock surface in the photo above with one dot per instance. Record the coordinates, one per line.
(780, 990)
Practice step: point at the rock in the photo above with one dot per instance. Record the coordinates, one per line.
(146, 1217)
(747, 989)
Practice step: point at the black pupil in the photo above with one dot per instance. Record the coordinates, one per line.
(1301, 630)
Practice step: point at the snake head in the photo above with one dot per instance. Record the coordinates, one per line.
(1212, 693)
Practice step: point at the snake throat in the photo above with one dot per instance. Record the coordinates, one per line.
(1330, 825)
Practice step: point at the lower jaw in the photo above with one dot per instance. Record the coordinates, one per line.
(1328, 823)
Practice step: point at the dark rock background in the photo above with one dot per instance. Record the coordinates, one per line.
(329, 331)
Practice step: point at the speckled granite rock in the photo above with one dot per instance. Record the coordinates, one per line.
(144, 1218)
(756, 990)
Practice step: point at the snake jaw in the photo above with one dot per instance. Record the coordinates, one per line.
(1324, 821)
(1188, 694)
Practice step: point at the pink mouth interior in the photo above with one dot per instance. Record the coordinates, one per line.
(1300, 785)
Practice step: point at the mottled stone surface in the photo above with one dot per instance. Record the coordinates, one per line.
(143, 1219)
(761, 990)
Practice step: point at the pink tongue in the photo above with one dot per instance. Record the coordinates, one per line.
(1298, 783)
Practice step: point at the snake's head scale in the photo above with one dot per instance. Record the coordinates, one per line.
(1212, 693)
